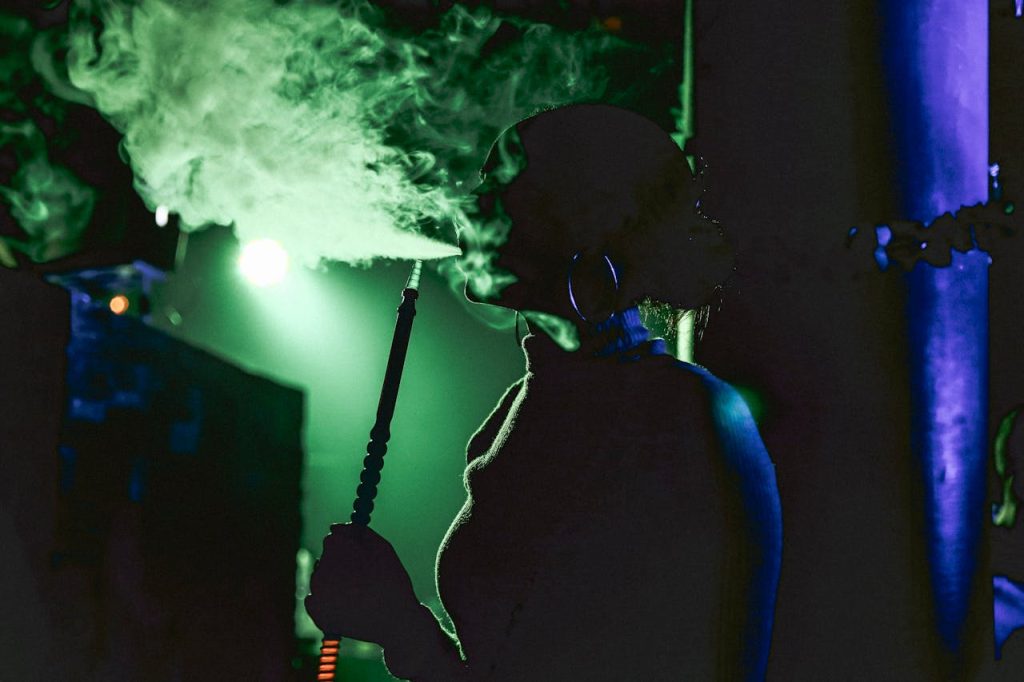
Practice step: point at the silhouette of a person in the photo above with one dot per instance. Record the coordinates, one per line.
(622, 520)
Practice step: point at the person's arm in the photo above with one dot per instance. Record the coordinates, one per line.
(484, 437)
(753, 473)
(425, 652)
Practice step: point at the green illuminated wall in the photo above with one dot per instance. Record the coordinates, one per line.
(328, 333)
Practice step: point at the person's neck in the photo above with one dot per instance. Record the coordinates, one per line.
(620, 333)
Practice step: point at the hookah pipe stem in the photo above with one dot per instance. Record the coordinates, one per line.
(373, 463)
(381, 431)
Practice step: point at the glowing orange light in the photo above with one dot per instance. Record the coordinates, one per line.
(119, 304)
(613, 24)
(328, 660)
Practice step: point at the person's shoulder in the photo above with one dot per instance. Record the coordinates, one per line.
(678, 395)
(736, 431)
(695, 372)
(719, 406)
(691, 382)
(724, 398)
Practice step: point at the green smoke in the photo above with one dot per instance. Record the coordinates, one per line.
(561, 331)
(1004, 513)
(50, 204)
(320, 126)
(487, 232)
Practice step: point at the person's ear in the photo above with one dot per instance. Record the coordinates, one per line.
(593, 286)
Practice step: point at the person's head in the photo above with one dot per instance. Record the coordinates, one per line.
(581, 187)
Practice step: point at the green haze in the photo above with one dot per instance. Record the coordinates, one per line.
(50, 204)
(320, 125)
(1004, 513)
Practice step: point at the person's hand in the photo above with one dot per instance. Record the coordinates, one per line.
(359, 588)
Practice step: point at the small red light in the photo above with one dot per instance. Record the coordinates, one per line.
(119, 304)
(613, 24)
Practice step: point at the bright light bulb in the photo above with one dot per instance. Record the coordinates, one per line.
(263, 262)
(163, 214)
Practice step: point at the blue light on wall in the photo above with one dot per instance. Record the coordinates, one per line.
(1009, 608)
(936, 62)
(948, 318)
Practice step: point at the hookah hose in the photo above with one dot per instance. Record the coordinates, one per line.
(378, 445)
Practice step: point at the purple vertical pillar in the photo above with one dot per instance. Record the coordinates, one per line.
(936, 61)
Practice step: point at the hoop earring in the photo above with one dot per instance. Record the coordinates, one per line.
(572, 296)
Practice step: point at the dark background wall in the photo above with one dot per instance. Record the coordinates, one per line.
(793, 121)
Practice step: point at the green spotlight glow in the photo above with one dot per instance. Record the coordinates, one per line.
(754, 401)
(263, 262)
